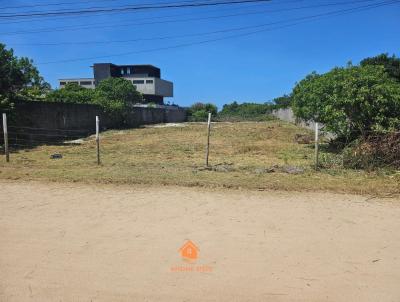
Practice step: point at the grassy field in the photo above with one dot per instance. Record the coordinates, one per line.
(240, 153)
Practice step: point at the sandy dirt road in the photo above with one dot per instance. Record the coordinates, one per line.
(69, 242)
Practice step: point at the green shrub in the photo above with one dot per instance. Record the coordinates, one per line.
(198, 112)
(245, 112)
(71, 93)
(350, 101)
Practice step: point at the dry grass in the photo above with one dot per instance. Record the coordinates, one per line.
(173, 156)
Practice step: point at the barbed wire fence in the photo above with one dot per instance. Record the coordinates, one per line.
(17, 138)
(380, 148)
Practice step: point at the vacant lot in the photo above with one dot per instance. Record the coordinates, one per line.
(241, 153)
(73, 242)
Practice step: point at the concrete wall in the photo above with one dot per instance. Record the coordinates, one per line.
(143, 116)
(55, 121)
(57, 115)
(288, 116)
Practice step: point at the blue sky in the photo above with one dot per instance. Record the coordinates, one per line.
(249, 68)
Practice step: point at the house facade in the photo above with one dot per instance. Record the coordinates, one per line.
(146, 79)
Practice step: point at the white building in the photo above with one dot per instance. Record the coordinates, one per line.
(146, 79)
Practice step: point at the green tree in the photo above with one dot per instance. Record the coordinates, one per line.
(282, 101)
(246, 111)
(19, 79)
(116, 96)
(198, 112)
(71, 93)
(350, 101)
(391, 64)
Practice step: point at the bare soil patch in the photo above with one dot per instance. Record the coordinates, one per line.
(75, 242)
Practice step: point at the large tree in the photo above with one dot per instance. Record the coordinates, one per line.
(350, 101)
(116, 95)
(19, 78)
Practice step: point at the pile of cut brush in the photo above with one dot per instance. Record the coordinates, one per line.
(373, 151)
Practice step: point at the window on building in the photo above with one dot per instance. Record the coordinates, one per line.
(86, 82)
(122, 71)
(149, 81)
(128, 70)
(63, 83)
(138, 81)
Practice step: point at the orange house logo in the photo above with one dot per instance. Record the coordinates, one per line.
(189, 251)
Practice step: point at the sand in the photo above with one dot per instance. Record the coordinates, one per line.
(75, 242)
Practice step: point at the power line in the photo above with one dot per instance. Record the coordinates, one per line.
(55, 4)
(96, 7)
(93, 26)
(174, 36)
(32, 19)
(127, 8)
(305, 19)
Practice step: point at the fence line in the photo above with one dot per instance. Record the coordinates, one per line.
(17, 138)
(47, 129)
(27, 137)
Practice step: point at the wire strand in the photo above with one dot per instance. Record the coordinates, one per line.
(301, 20)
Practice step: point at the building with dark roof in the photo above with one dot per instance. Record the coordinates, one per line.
(146, 79)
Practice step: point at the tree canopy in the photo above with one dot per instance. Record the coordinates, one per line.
(391, 64)
(71, 93)
(19, 79)
(198, 112)
(116, 95)
(350, 101)
(245, 111)
(283, 101)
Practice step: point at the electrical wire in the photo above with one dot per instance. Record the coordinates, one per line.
(306, 19)
(127, 8)
(96, 7)
(60, 18)
(55, 4)
(93, 26)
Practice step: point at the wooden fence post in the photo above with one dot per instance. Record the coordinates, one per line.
(208, 137)
(316, 146)
(98, 139)
(5, 131)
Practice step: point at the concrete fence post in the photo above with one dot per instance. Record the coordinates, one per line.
(98, 139)
(208, 137)
(5, 131)
(316, 163)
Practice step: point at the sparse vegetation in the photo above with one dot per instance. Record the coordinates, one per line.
(245, 155)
